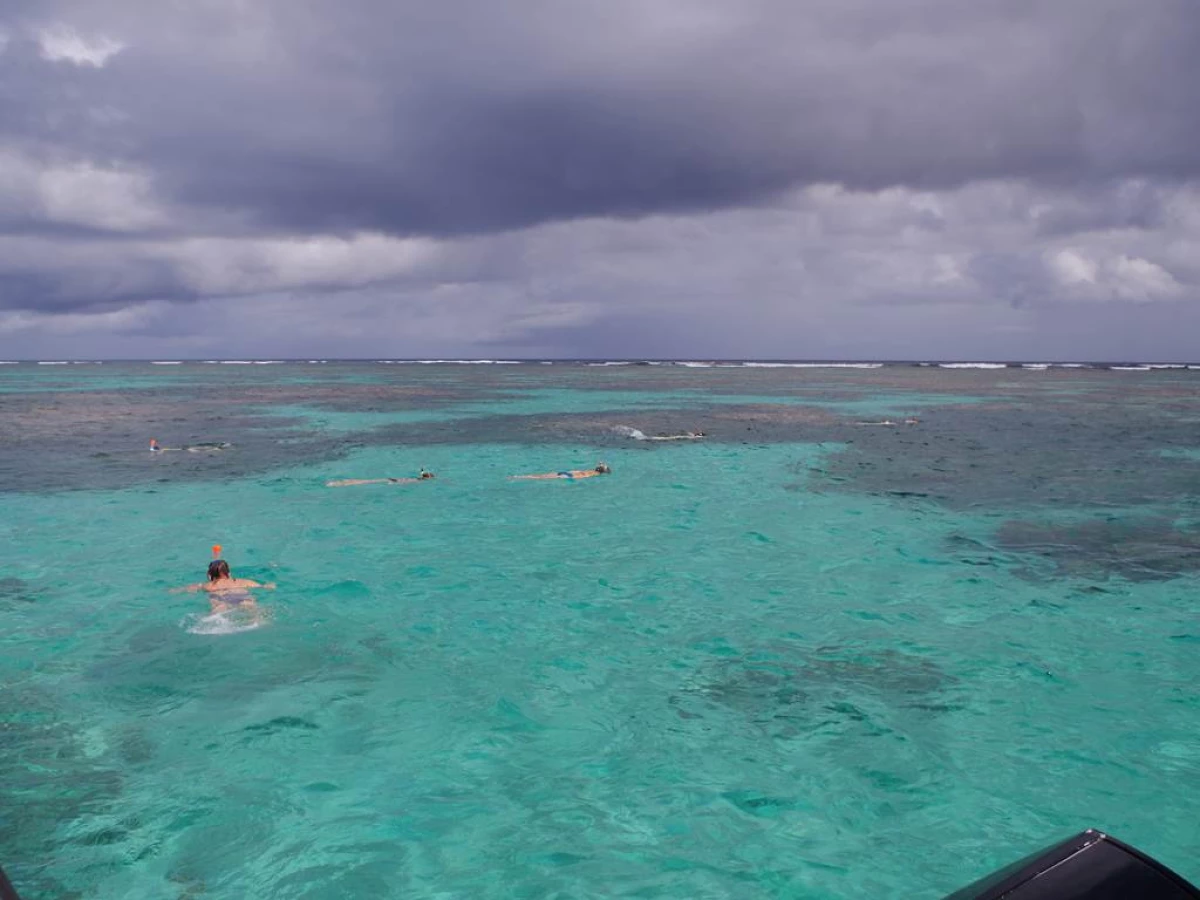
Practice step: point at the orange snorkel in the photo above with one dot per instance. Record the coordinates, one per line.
(216, 551)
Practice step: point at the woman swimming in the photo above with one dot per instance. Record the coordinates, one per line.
(225, 592)
(569, 474)
(347, 482)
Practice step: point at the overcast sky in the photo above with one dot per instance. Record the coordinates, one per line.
(832, 179)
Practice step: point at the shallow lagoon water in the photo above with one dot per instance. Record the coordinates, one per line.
(799, 658)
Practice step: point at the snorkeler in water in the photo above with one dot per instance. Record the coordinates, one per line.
(225, 592)
(890, 424)
(423, 475)
(569, 474)
(204, 447)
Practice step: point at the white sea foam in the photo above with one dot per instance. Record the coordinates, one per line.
(234, 362)
(220, 623)
(9, 362)
(1130, 368)
(613, 362)
(54, 362)
(695, 365)
(1166, 365)
(972, 365)
(165, 362)
(267, 362)
(629, 432)
(811, 365)
(1038, 366)
(452, 362)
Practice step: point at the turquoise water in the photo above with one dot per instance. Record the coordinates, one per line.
(799, 658)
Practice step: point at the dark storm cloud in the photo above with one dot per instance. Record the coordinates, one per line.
(481, 116)
(584, 172)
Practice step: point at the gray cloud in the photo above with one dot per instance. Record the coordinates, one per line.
(484, 117)
(565, 165)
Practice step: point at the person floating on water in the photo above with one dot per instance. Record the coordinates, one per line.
(423, 475)
(207, 447)
(890, 424)
(569, 475)
(642, 436)
(226, 593)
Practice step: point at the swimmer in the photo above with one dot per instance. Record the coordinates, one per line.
(637, 435)
(424, 475)
(154, 447)
(225, 592)
(890, 424)
(209, 447)
(569, 475)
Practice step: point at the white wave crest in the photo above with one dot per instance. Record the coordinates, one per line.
(972, 365)
(811, 365)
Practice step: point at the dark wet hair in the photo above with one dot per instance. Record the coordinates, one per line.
(603, 468)
(218, 568)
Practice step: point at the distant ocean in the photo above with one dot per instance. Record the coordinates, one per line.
(828, 630)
